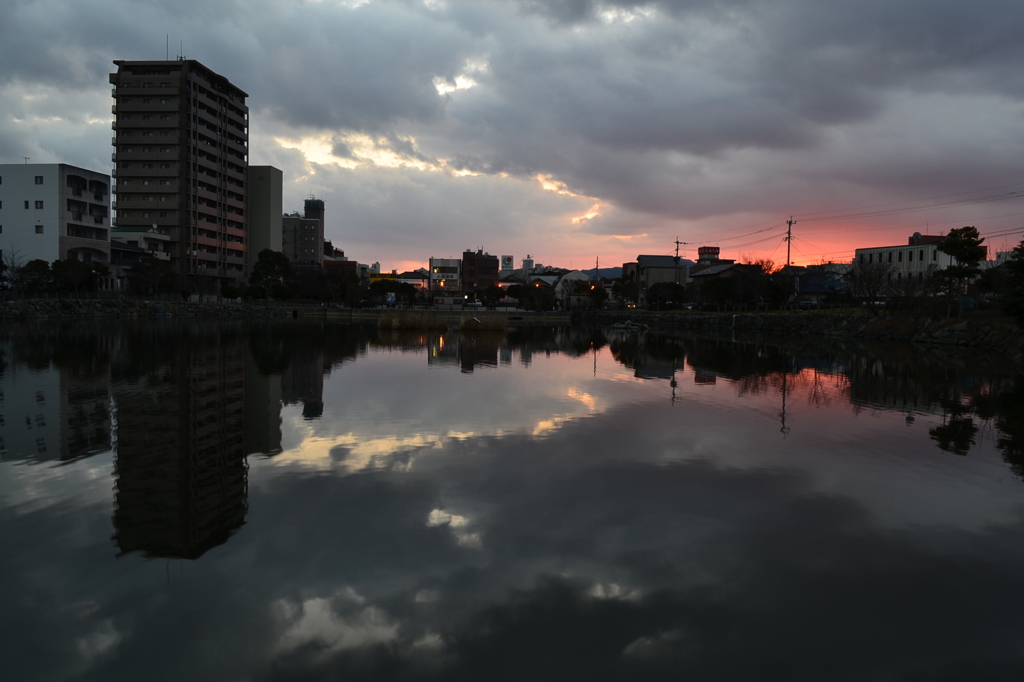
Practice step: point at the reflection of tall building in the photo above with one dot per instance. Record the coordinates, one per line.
(181, 471)
(50, 412)
(480, 350)
(302, 381)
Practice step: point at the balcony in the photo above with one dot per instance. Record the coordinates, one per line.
(113, 108)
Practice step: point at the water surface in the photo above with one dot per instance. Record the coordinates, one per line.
(294, 501)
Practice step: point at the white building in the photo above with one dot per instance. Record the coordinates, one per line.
(916, 260)
(53, 211)
(445, 274)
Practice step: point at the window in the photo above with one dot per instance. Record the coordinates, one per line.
(39, 229)
(126, 84)
(147, 101)
(126, 117)
(147, 85)
(126, 165)
(147, 133)
(165, 165)
(165, 133)
(147, 117)
(163, 198)
(871, 258)
(165, 182)
(165, 117)
(164, 101)
(147, 150)
(935, 255)
(26, 204)
(125, 214)
(126, 100)
(39, 179)
(900, 259)
(126, 182)
(165, 150)
(147, 198)
(920, 256)
(164, 214)
(910, 256)
(147, 165)
(890, 256)
(145, 214)
(145, 182)
(126, 133)
(165, 85)
(126, 150)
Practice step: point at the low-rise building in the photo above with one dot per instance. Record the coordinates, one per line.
(916, 260)
(445, 274)
(479, 271)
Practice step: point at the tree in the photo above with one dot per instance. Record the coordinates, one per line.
(151, 275)
(870, 280)
(663, 294)
(1014, 304)
(34, 276)
(964, 246)
(76, 275)
(271, 270)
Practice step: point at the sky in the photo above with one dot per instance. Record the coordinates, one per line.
(573, 130)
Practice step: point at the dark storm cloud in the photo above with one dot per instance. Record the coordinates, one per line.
(665, 109)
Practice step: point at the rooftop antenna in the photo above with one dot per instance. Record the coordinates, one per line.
(26, 159)
(167, 47)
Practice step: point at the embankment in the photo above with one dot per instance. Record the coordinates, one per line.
(128, 309)
(981, 334)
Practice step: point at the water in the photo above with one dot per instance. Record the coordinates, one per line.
(215, 501)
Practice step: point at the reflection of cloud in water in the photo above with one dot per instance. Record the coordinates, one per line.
(330, 626)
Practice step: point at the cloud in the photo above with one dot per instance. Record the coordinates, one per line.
(676, 116)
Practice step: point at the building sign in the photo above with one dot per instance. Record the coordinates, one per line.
(506, 262)
(708, 252)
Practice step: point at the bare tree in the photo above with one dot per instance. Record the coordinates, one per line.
(872, 280)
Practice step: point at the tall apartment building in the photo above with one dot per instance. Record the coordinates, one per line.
(181, 135)
(303, 237)
(265, 212)
(51, 211)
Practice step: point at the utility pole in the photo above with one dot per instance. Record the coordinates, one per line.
(677, 258)
(789, 238)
